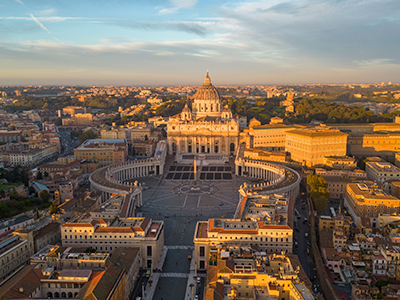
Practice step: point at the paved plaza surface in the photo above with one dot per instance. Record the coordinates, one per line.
(170, 197)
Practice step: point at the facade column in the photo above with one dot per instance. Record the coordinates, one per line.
(186, 145)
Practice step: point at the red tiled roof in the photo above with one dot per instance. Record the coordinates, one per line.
(144, 224)
(152, 227)
(98, 221)
(6, 233)
(242, 206)
(202, 230)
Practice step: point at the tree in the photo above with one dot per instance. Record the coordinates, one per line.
(319, 192)
(2, 193)
(45, 174)
(54, 209)
(44, 195)
(31, 190)
(39, 175)
(58, 121)
(87, 135)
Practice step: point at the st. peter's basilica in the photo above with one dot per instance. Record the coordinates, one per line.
(207, 128)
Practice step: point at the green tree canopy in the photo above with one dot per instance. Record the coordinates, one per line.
(39, 175)
(87, 135)
(54, 208)
(319, 192)
(58, 121)
(44, 195)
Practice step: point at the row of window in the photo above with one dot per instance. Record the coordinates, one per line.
(256, 238)
(100, 236)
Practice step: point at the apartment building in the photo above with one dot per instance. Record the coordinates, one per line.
(106, 152)
(214, 233)
(47, 283)
(26, 154)
(247, 275)
(120, 133)
(16, 248)
(368, 200)
(10, 136)
(382, 171)
(101, 235)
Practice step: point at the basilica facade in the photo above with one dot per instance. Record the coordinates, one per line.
(207, 128)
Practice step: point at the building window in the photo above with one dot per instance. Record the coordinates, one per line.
(202, 251)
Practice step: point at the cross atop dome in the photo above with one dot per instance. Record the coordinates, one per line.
(207, 81)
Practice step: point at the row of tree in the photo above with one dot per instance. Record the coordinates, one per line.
(318, 189)
(332, 112)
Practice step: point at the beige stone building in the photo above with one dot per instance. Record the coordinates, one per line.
(214, 233)
(101, 235)
(207, 128)
(382, 171)
(106, 152)
(16, 249)
(367, 200)
(310, 145)
(243, 274)
(270, 136)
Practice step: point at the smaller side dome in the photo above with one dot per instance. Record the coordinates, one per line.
(226, 113)
(186, 114)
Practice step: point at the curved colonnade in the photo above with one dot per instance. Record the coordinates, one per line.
(113, 179)
(278, 179)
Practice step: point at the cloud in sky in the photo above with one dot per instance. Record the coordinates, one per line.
(274, 41)
(39, 23)
(175, 5)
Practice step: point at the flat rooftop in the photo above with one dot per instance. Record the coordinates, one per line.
(383, 167)
(96, 143)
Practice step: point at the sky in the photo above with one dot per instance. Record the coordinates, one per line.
(175, 42)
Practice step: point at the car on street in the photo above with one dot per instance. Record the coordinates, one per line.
(198, 279)
(148, 273)
(221, 203)
(167, 215)
(196, 297)
(306, 234)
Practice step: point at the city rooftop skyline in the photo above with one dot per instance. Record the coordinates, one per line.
(175, 42)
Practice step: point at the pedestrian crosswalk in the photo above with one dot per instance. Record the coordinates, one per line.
(179, 247)
(176, 275)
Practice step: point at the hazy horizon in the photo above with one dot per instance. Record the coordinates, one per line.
(154, 42)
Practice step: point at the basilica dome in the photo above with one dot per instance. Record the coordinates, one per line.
(206, 101)
(207, 91)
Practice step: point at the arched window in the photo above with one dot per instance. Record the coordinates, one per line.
(69, 295)
(63, 295)
(75, 294)
(49, 295)
(56, 295)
